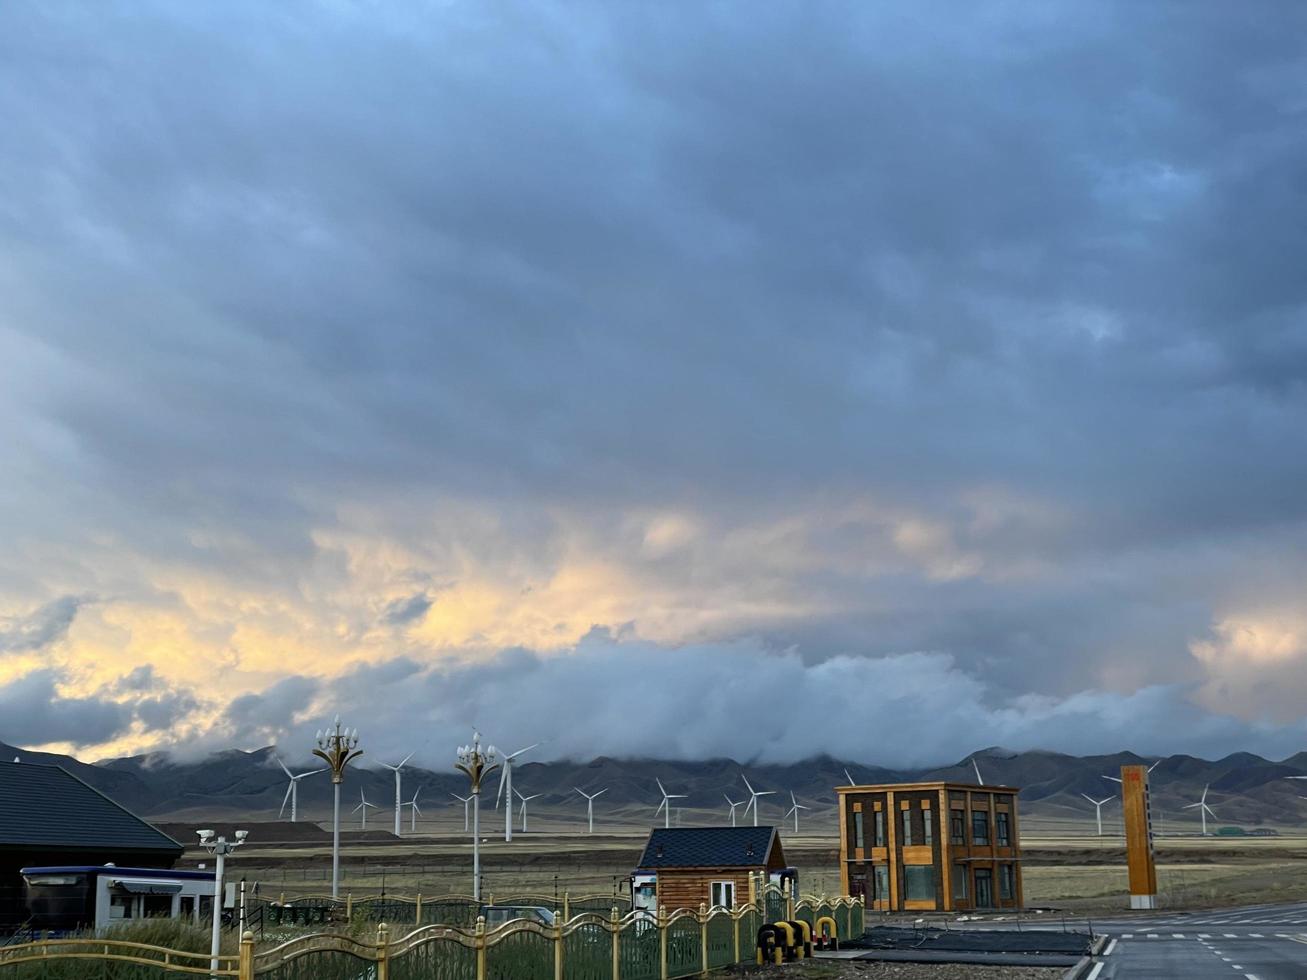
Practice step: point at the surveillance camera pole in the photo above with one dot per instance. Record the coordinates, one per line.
(477, 765)
(337, 746)
(219, 848)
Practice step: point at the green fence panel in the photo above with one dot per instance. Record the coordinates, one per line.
(524, 955)
(321, 965)
(440, 959)
(449, 912)
(721, 940)
(684, 948)
(599, 903)
(842, 923)
(639, 951)
(588, 953)
(397, 911)
(775, 903)
(85, 969)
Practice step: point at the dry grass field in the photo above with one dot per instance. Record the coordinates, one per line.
(1076, 873)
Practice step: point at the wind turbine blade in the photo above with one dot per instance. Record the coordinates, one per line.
(660, 785)
(600, 793)
(1114, 779)
(527, 749)
(766, 792)
(286, 799)
(288, 773)
(406, 758)
(499, 793)
(661, 806)
(975, 765)
(746, 783)
(1089, 798)
(1154, 766)
(849, 778)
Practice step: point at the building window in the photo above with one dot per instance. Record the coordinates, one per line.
(878, 827)
(927, 827)
(1006, 881)
(880, 883)
(723, 894)
(1004, 799)
(957, 827)
(919, 883)
(1003, 829)
(121, 906)
(959, 882)
(980, 827)
(907, 828)
(857, 829)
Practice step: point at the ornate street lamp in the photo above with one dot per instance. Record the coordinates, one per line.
(219, 847)
(337, 747)
(477, 765)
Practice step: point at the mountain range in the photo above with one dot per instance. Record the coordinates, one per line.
(1245, 789)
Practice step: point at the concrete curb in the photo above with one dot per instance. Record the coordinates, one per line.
(1081, 969)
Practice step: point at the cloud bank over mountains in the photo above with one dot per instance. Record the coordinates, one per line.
(908, 361)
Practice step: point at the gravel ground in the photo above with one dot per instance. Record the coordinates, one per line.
(861, 970)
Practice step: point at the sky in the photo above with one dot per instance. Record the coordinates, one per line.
(682, 380)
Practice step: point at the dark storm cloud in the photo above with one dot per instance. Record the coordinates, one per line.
(41, 627)
(754, 262)
(33, 712)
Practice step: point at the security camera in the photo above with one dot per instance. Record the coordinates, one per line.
(242, 834)
(204, 835)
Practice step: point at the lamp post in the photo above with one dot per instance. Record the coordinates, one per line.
(477, 765)
(337, 746)
(219, 847)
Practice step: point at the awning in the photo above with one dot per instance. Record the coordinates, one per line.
(148, 886)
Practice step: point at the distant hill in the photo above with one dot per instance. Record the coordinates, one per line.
(1245, 788)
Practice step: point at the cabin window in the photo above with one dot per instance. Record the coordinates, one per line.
(880, 881)
(927, 827)
(156, 906)
(1006, 881)
(121, 907)
(979, 827)
(919, 883)
(723, 894)
(907, 828)
(857, 829)
(957, 827)
(878, 825)
(1003, 829)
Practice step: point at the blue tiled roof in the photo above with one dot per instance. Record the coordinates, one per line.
(708, 847)
(48, 807)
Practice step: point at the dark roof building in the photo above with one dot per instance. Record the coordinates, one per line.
(684, 867)
(49, 816)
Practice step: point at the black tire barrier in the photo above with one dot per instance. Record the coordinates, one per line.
(770, 949)
(802, 938)
(825, 934)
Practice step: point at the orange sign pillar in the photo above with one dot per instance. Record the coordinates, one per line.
(1139, 837)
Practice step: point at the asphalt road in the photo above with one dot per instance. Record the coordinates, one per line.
(1267, 942)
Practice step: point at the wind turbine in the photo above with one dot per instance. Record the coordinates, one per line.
(1203, 808)
(524, 799)
(795, 807)
(849, 778)
(466, 801)
(506, 788)
(663, 807)
(398, 805)
(1117, 779)
(292, 791)
(415, 813)
(753, 797)
(590, 805)
(733, 805)
(1098, 808)
(363, 805)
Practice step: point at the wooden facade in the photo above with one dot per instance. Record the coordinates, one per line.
(931, 846)
(686, 862)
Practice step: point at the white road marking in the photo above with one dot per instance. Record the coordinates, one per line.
(1177, 935)
(1230, 935)
(1252, 976)
(1128, 935)
(1204, 935)
(1093, 974)
(1110, 946)
(1255, 935)
(1151, 935)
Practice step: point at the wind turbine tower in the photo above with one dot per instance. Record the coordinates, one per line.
(1098, 809)
(664, 807)
(506, 789)
(292, 791)
(399, 805)
(730, 802)
(363, 805)
(590, 805)
(524, 800)
(795, 807)
(753, 798)
(414, 813)
(1203, 808)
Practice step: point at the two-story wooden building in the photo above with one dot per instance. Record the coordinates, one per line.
(930, 846)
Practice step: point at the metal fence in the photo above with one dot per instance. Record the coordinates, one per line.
(416, 910)
(588, 946)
